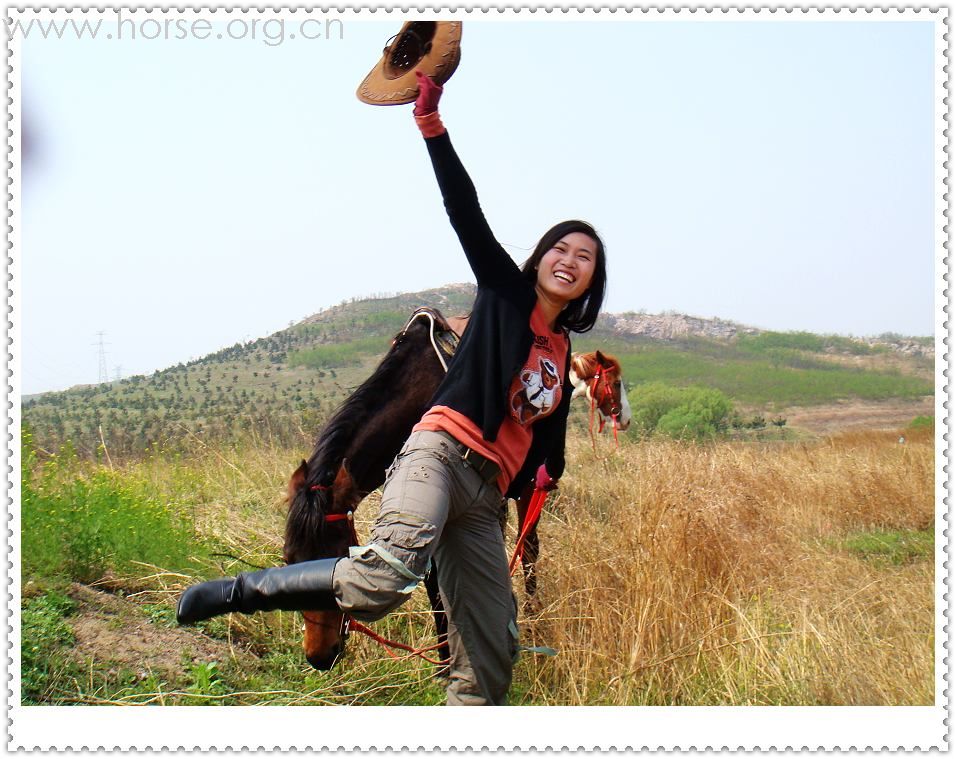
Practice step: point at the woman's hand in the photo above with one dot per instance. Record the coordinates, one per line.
(429, 94)
(543, 480)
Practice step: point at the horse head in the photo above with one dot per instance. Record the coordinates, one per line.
(599, 374)
(320, 526)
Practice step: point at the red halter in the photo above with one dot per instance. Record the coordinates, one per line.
(608, 393)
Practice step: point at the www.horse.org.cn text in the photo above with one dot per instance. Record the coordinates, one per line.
(271, 31)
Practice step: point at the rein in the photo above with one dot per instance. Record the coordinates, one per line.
(352, 624)
(538, 498)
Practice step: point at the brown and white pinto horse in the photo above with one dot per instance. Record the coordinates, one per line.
(597, 376)
(362, 438)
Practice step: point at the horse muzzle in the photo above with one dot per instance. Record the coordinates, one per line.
(325, 661)
(325, 636)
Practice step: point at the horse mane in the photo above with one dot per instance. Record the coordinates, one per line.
(583, 365)
(586, 364)
(311, 498)
(340, 430)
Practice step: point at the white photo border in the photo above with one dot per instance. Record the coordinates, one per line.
(527, 728)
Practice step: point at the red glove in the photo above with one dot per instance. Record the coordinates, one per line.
(429, 94)
(543, 481)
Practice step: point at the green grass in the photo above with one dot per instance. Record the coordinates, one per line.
(893, 547)
(335, 355)
(82, 522)
(279, 677)
(771, 376)
(766, 342)
(45, 637)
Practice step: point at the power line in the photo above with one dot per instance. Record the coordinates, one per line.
(104, 374)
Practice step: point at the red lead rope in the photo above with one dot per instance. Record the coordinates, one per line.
(531, 519)
(389, 644)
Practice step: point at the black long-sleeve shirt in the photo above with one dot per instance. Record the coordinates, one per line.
(498, 338)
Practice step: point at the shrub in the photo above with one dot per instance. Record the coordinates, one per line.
(81, 523)
(683, 413)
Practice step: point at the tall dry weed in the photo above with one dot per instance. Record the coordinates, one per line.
(683, 573)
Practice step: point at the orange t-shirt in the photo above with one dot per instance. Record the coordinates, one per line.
(534, 394)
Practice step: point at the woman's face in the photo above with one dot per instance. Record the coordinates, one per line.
(565, 271)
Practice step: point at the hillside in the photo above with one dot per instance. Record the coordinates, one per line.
(285, 385)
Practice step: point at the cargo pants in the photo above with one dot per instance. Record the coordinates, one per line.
(435, 504)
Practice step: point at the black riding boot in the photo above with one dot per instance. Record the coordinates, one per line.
(306, 586)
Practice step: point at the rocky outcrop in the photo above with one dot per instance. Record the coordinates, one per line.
(904, 345)
(673, 326)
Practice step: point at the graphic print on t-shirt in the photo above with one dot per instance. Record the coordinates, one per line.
(536, 391)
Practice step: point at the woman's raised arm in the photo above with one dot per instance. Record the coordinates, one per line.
(489, 261)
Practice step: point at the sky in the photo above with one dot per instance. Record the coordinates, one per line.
(181, 195)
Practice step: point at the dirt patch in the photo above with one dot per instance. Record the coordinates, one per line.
(857, 415)
(114, 632)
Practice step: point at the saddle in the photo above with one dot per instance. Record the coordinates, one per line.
(444, 339)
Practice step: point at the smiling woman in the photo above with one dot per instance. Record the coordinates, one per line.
(570, 273)
(496, 423)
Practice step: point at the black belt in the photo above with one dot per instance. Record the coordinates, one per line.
(487, 469)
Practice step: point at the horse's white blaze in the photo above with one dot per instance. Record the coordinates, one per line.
(624, 419)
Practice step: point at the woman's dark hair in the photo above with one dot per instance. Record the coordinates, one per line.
(581, 313)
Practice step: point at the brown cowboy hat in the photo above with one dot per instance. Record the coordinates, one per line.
(433, 47)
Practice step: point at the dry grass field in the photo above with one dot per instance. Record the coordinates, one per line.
(671, 573)
(741, 574)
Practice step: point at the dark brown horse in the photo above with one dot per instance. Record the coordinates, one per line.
(349, 461)
(360, 441)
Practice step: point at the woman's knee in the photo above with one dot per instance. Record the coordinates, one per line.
(372, 583)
